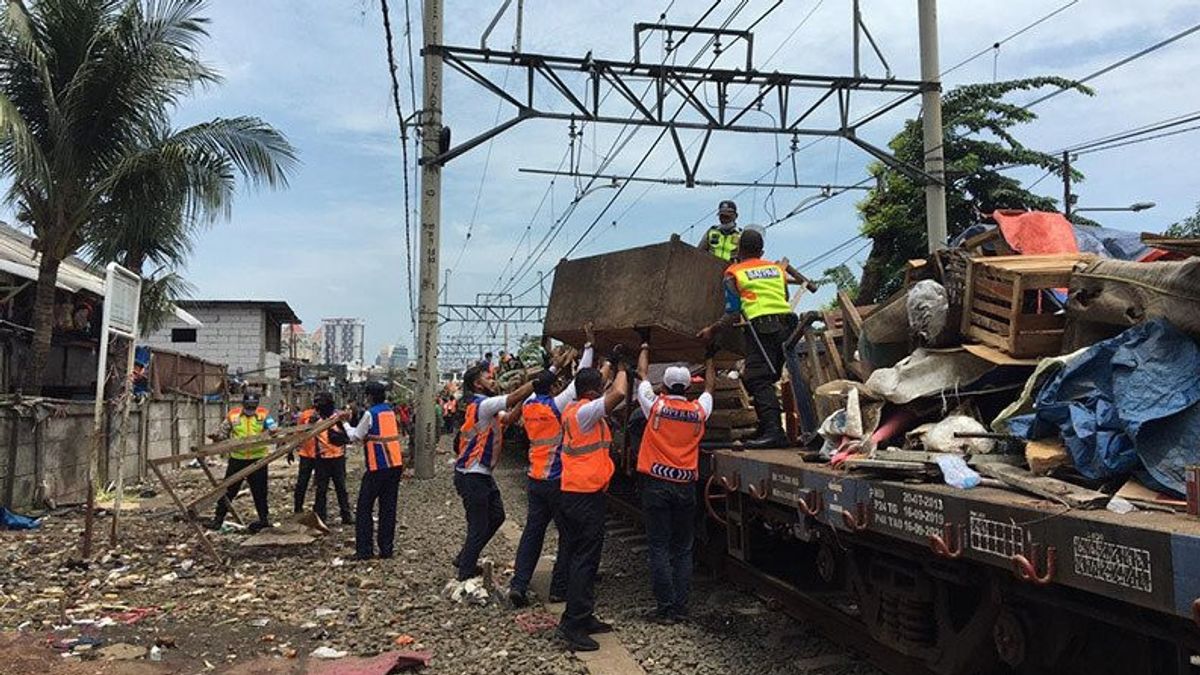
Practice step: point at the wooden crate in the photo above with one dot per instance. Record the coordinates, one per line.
(1007, 305)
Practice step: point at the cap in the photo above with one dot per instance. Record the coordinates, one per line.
(727, 206)
(250, 397)
(374, 388)
(677, 375)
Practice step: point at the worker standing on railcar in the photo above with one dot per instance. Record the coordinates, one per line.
(587, 468)
(756, 290)
(669, 464)
(722, 239)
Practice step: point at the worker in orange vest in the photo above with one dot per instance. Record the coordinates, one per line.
(379, 432)
(669, 464)
(479, 442)
(325, 455)
(543, 424)
(586, 469)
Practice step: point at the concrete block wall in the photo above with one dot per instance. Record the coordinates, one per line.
(232, 335)
(47, 457)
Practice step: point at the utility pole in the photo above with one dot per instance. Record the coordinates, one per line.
(933, 136)
(431, 217)
(1067, 196)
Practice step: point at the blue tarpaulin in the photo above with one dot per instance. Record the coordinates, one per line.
(16, 521)
(1127, 403)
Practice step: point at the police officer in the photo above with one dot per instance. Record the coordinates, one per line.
(586, 469)
(756, 289)
(722, 240)
(324, 455)
(542, 413)
(244, 421)
(379, 431)
(669, 463)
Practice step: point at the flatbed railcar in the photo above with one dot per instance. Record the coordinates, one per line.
(925, 577)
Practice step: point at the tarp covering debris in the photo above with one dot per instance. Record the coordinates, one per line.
(1127, 403)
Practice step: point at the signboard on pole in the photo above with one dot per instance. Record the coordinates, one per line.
(122, 299)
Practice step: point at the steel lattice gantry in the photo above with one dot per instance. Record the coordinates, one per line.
(492, 316)
(577, 89)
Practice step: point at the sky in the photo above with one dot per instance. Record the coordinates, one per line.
(333, 244)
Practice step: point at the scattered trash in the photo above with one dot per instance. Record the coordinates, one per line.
(383, 664)
(259, 623)
(328, 653)
(15, 521)
(536, 621)
(156, 654)
(134, 615)
(1120, 505)
(956, 472)
(470, 591)
(404, 640)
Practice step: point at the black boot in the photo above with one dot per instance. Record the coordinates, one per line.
(771, 435)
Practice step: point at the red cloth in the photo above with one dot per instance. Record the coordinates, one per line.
(1036, 232)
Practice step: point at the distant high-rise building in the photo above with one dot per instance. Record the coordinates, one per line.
(343, 341)
(399, 358)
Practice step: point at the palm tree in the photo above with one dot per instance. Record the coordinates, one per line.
(182, 184)
(86, 92)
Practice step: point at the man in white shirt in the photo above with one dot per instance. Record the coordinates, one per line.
(479, 442)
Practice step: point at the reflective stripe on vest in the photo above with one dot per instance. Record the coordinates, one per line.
(320, 445)
(723, 244)
(670, 447)
(245, 426)
(475, 443)
(543, 425)
(382, 444)
(762, 287)
(586, 464)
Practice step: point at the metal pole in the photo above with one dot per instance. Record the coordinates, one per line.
(856, 12)
(933, 135)
(1067, 184)
(431, 217)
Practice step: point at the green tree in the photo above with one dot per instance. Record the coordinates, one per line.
(978, 126)
(86, 92)
(842, 279)
(1188, 227)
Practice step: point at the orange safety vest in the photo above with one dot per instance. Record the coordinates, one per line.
(382, 445)
(543, 424)
(670, 447)
(477, 444)
(320, 445)
(586, 464)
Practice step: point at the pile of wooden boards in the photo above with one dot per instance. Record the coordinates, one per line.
(733, 417)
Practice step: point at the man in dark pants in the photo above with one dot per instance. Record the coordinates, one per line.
(542, 413)
(669, 463)
(587, 467)
(324, 455)
(757, 290)
(380, 433)
(479, 442)
(245, 421)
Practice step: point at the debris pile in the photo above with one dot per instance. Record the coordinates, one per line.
(1030, 355)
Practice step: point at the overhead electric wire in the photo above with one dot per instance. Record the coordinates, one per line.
(408, 251)
(608, 158)
(571, 209)
(1138, 140)
(1113, 66)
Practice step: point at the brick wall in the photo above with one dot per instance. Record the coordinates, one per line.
(43, 450)
(232, 335)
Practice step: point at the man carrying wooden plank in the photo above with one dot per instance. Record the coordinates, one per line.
(324, 455)
(249, 419)
(756, 289)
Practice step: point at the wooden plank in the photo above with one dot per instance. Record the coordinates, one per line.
(1049, 488)
(290, 446)
(234, 444)
(188, 516)
(993, 326)
(989, 353)
(213, 481)
(987, 338)
(850, 313)
(835, 357)
(818, 367)
(990, 308)
(1034, 323)
(999, 293)
(732, 418)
